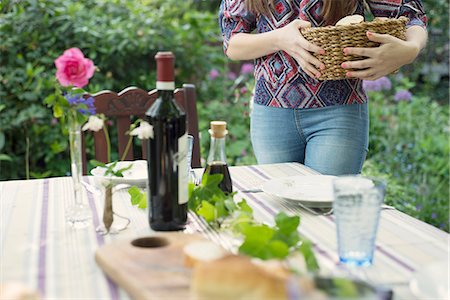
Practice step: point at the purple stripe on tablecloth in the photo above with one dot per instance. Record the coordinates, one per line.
(397, 260)
(113, 289)
(385, 252)
(95, 220)
(43, 240)
(256, 170)
(260, 203)
(273, 213)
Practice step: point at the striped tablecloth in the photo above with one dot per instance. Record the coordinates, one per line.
(40, 250)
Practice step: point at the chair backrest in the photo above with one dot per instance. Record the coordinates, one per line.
(134, 102)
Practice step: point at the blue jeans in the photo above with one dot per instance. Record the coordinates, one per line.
(332, 140)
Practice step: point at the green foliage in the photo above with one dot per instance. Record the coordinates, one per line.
(138, 198)
(409, 147)
(210, 201)
(259, 240)
(431, 68)
(228, 100)
(120, 36)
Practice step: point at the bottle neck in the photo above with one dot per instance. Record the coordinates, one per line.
(165, 94)
(165, 85)
(217, 150)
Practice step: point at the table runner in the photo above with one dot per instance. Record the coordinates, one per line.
(40, 250)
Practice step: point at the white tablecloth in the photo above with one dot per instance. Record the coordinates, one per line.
(40, 250)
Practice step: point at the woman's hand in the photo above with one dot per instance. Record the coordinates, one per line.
(388, 57)
(293, 43)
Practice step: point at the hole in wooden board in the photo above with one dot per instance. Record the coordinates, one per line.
(150, 242)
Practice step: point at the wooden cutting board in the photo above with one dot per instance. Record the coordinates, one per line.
(149, 267)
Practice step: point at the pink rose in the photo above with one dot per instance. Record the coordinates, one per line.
(73, 68)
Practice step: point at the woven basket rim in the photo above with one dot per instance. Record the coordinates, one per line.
(376, 21)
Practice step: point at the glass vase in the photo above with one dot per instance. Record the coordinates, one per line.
(78, 213)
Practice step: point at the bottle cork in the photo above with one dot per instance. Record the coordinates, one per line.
(218, 129)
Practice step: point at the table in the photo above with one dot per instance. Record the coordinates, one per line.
(40, 250)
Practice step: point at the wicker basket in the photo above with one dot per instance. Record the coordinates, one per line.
(333, 39)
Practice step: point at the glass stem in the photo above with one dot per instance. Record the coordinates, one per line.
(75, 159)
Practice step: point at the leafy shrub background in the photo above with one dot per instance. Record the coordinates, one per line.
(409, 140)
(121, 37)
(409, 146)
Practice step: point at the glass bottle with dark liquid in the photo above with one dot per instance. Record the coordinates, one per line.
(166, 156)
(217, 161)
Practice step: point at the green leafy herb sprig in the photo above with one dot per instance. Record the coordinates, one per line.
(259, 240)
(110, 168)
(138, 198)
(209, 201)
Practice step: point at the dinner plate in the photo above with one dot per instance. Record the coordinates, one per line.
(136, 175)
(310, 190)
(432, 281)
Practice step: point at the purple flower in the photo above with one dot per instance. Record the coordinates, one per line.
(54, 121)
(380, 84)
(385, 83)
(213, 74)
(247, 68)
(87, 105)
(433, 215)
(418, 207)
(403, 95)
(244, 152)
(231, 75)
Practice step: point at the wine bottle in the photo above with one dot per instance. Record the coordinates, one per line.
(166, 159)
(217, 161)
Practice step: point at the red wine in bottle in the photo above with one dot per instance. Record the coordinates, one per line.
(166, 156)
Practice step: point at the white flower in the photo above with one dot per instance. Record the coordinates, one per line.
(144, 131)
(94, 123)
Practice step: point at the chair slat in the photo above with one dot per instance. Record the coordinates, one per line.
(192, 119)
(134, 101)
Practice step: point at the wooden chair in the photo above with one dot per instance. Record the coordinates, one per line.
(134, 102)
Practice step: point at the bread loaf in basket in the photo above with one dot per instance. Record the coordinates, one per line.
(333, 39)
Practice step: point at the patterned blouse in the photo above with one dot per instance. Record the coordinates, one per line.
(280, 81)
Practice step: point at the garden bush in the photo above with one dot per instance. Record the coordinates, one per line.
(121, 37)
(229, 94)
(409, 146)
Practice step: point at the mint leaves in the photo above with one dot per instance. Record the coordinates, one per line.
(137, 197)
(279, 241)
(259, 240)
(209, 201)
(110, 168)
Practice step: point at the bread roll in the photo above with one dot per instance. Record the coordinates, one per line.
(238, 278)
(202, 251)
(348, 20)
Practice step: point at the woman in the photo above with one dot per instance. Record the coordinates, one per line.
(295, 117)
